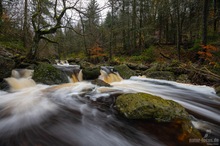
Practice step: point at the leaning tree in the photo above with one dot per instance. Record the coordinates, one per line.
(47, 18)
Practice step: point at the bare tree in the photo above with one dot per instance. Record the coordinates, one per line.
(41, 29)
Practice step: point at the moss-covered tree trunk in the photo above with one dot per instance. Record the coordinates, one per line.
(42, 28)
(32, 55)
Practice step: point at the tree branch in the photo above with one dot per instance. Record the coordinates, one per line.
(44, 38)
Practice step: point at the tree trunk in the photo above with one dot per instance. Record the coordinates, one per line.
(123, 24)
(205, 20)
(84, 38)
(111, 33)
(140, 26)
(25, 26)
(32, 55)
(134, 25)
(178, 30)
(215, 16)
(1, 12)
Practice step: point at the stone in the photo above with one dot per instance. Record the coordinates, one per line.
(163, 75)
(147, 106)
(124, 71)
(47, 74)
(99, 82)
(91, 73)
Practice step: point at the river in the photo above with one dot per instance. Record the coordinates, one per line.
(82, 114)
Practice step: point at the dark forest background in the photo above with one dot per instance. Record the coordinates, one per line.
(141, 31)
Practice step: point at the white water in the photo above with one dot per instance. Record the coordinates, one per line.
(65, 114)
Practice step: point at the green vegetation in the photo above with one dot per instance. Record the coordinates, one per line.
(47, 74)
(135, 31)
(147, 106)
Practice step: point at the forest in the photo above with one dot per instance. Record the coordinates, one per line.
(130, 28)
(109, 73)
(140, 31)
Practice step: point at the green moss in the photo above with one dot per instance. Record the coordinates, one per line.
(146, 106)
(91, 73)
(47, 74)
(124, 71)
(165, 75)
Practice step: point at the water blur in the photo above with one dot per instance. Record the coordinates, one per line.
(72, 114)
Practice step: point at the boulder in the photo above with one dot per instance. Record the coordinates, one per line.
(91, 73)
(135, 66)
(6, 66)
(142, 106)
(99, 82)
(146, 106)
(47, 74)
(124, 71)
(164, 75)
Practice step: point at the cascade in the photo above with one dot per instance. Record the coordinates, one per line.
(73, 72)
(20, 79)
(109, 75)
(73, 114)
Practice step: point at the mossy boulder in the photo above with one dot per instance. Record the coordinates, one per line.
(146, 106)
(164, 75)
(91, 73)
(124, 71)
(47, 74)
(142, 106)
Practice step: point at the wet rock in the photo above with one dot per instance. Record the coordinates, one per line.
(124, 71)
(164, 75)
(91, 73)
(142, 106)
(6, 66)
(217, 90)
(100, 83)
(146, 106)
(47, 74)
(135, 66)
(85, 64)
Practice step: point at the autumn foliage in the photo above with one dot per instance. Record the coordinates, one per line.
(207, 53)
(97, 53)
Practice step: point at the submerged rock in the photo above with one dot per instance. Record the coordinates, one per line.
(47, 74)
(146, 106)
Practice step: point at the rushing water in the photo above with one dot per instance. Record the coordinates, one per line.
(81, 114)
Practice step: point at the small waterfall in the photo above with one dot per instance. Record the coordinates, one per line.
(73, 72)
(77, 76)
(20, 79)
(109, 75)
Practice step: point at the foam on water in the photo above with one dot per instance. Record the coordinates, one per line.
(23, 109)
(66, 112)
